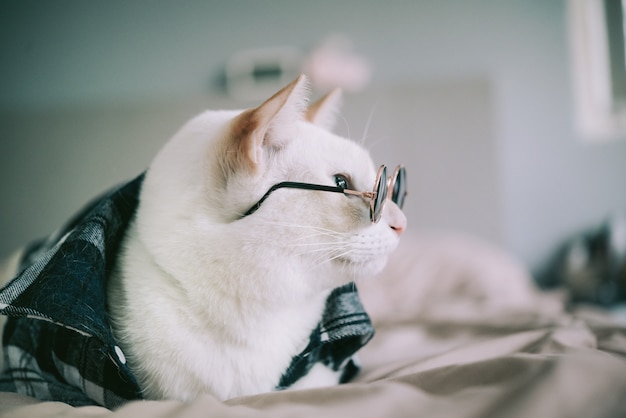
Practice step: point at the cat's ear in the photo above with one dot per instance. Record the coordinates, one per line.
(269, 126)
(324, 112)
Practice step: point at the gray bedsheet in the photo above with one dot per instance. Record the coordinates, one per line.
(461, 332)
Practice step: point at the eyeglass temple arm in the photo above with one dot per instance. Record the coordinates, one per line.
(369, 195)
(292, 185)
(307, 186)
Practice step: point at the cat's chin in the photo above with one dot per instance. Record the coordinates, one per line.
(361, 269)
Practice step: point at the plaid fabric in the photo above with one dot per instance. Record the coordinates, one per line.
(343, 330)
(58, 343)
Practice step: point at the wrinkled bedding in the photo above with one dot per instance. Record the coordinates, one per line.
(460, 332)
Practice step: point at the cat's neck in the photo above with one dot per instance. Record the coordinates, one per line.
(251, 289)
(202, 311)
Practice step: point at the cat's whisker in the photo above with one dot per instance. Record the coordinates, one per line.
(317, 244)
(343, 254)
(294, 225)
(338, 254)
(367, 125)
(322, 245)
(327, 231)
(326, 249)
(347, 125)
(375, 142)
(316, 235)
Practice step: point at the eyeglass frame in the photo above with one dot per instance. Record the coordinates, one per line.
(374, 215)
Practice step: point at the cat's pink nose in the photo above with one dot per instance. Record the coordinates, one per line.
(399, 230)
(395, 218)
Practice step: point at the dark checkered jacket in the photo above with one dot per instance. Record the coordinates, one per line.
(58, 343)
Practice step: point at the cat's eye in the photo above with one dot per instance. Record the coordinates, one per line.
(342, 181)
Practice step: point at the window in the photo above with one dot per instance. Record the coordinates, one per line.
(599, 67)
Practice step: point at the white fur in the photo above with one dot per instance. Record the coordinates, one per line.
(204, 301)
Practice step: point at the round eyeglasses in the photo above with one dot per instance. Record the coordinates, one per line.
(377, 197)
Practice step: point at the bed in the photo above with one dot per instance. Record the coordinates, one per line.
(461, 331)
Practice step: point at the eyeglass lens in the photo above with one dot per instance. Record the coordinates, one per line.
(399, 188)
(381, 195)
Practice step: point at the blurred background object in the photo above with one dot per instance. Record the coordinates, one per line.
(591, 265)
(478, 99)
(599, 72)
(333, 63)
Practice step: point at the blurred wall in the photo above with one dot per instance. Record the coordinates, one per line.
(116, 68)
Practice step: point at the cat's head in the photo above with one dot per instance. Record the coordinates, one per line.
(201, 185)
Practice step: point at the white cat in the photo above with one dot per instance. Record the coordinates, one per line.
(207, 300)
